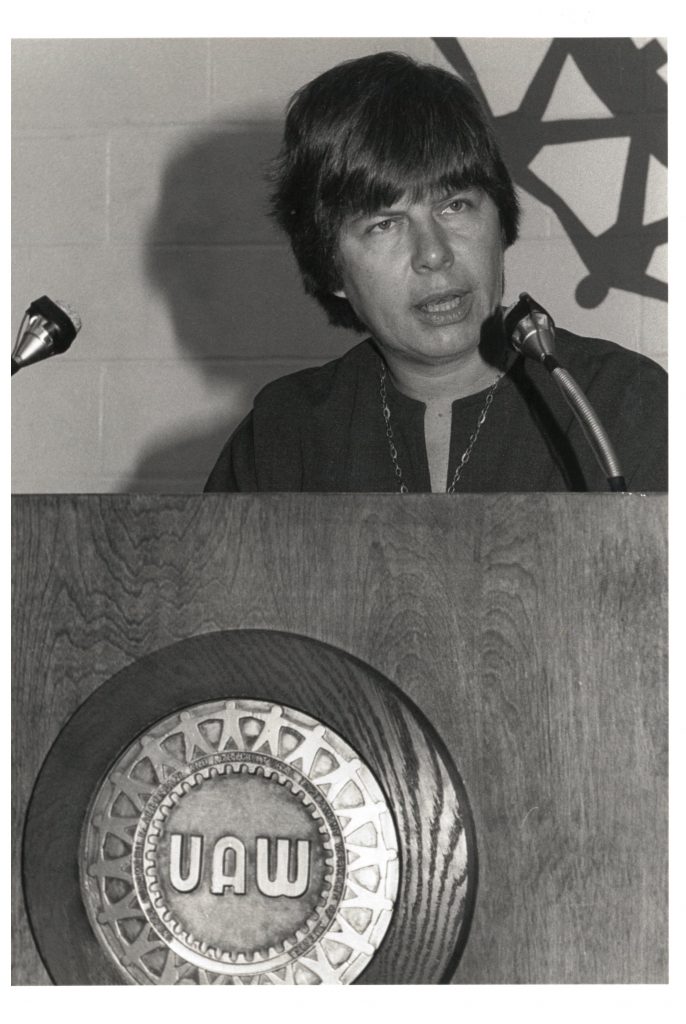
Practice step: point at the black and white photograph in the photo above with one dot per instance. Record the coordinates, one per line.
(339, 510)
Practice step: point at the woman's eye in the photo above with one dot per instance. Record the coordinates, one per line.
(456, 206)
(382, 225)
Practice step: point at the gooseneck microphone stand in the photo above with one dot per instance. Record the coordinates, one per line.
(531, 332)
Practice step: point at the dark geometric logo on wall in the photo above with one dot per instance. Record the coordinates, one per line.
(631, 106)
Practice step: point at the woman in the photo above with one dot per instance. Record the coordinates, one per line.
(399, 208)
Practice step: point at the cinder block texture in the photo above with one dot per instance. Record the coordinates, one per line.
(139, 197)
(190, 188)
(57, 439)
(59, 187)
(548, 270)
(77, 83)
(255, 78)
(175, 420)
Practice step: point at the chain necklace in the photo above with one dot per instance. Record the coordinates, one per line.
(402, 486)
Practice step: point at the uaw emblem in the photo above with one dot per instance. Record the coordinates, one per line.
(239, 842)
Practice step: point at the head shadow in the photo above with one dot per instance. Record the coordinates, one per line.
(232, 289)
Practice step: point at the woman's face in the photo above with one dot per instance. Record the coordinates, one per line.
(425, 276)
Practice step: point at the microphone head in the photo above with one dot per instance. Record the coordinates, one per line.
(48, 329)
(529, 328)
(71, 313)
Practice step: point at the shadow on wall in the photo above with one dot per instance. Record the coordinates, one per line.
(232, 287)
(624, 78)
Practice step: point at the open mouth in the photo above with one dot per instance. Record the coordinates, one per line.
(447, 307)
(442, 304)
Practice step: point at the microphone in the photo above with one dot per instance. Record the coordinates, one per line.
(530, 331)
(47, 329)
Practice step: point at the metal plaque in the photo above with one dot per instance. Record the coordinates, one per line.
(239, 842)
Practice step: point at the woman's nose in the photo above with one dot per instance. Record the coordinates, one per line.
(432, 250)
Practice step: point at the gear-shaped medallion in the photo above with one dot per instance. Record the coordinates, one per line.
(239, 842)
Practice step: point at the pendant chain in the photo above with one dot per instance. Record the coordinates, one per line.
(402, 486)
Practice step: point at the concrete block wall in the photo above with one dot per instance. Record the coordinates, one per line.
(138, 198)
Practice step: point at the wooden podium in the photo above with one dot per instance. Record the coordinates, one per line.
(530, 630)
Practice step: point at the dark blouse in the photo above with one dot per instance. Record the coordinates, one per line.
(322, 429)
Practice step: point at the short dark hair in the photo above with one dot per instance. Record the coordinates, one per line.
(363, 134)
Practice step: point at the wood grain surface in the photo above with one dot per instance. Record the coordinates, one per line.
(529, 629)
